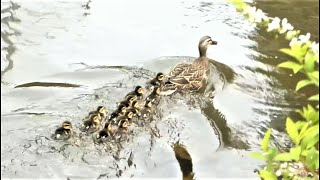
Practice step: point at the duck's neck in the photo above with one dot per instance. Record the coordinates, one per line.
(202, 51)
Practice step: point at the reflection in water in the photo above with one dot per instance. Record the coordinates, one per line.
(8, 8)
(46, 84)
(185, 161)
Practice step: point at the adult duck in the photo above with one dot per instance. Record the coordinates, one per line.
(200, 76)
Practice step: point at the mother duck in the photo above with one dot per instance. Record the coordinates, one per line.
(200, 76)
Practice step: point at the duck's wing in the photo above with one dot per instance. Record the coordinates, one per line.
(179, 68)
(192, 74)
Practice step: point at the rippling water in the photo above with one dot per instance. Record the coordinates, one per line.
(61, 59)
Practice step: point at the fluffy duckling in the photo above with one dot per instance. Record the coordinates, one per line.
(158, 80)
(64, 132)
(104, 133)
(147, 109)
(123, 125)
(128, 100)
(138, 92)
(136, 111)
(101, 110)
(155, 94)
(135, 108)
(110, 128)
(93, 124)
(129, 115)
(121, 110)
(113, 116)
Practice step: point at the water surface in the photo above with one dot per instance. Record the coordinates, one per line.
(61, 59)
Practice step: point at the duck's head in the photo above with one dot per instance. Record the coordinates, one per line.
(111, 127)
(148, 104)
(96, 119)
(139, 90)
(113, 115)
(156, 90)
(135, 104)
(67, 125)
(129, 114)
(204, 43)
(102, 110)
(131, 98)
(160, 76)
(124, 123)
(122, 108)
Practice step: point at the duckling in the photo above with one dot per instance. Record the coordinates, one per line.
(107, 131)
(101, 110)
(128, 100)
(104, 133)
(129, 115)
(154, 95)
(136, 105)
(157, 81)
(113, 116)
(123, 125)
(138, 92)
(199, 75)
(136, 112)
(121, 110)
(93, 124)
(64, 132)
(147, 109)
(112, 127)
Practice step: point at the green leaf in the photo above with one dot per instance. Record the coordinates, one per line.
(272, 152)
(314, 76)
(303, 130)
(310, 60)
(313, 141)
(257, 155)
(303, 83)
(300, 124)
(265, 141)
(283, 157)
(291, 65)
(292, 130)
(310, 137)
(312, 158)
(314, 98)
(267, 175)
(295, 153)
(294, 52)
(304, 49)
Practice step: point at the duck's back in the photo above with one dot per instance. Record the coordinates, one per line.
(178, 69)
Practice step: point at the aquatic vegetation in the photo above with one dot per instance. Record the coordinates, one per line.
(302, 160)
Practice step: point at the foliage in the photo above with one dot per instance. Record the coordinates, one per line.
(302, 160)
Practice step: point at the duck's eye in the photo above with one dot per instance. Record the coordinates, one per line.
(131, 99)
(123, 109)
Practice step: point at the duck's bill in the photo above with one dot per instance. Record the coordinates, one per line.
(214, 42)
